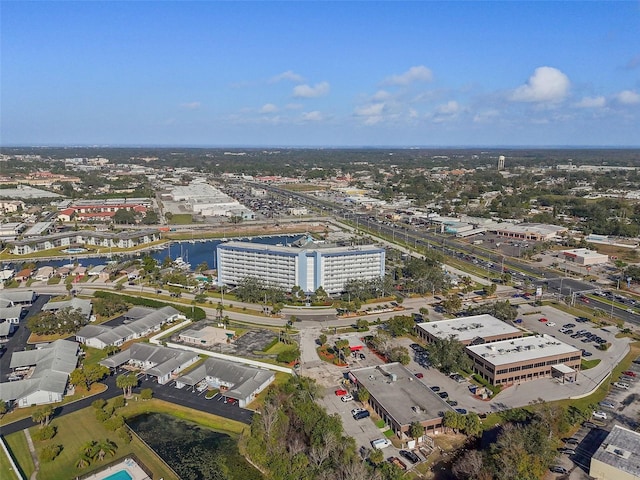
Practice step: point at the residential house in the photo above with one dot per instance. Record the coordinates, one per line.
(161, 362)
(41, 374)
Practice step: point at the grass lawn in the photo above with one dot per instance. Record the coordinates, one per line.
(93, 356)
(78, 428)
(54, 280)
(182, 219)
(388, 433)
(587, 364)
(279, 348)
(17, 444)
(380, 423)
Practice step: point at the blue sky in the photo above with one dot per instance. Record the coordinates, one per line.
(320, 73)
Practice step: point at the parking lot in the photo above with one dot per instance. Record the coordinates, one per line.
(620, 406)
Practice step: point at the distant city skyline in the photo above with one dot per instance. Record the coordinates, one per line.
(314, 74)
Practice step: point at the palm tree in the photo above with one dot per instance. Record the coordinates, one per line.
(106, 447)
(126, 383)
(89, 449)
(83, 461)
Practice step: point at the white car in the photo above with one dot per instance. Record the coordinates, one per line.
(600, 415)
(622, 385)
(347, 398)
(551, 324)
(355, 411)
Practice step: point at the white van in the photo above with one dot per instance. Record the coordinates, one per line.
(381, 443)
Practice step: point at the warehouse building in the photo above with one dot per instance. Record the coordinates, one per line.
(584, 256)
(618, 457)
(400, 399)
(304, 266)
(523, 359)
(473, 330)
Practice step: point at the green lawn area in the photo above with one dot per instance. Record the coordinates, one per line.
(388, 433)
(17, 444)
(279, 347)
(587, 364)
(380, 423)
(182, 219)
(54, 280)
(93, 356)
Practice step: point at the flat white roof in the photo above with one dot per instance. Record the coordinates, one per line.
(522, 349)
(620, 450)
(468, 328)
(584, 252)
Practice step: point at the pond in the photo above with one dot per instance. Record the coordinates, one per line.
(194, 452)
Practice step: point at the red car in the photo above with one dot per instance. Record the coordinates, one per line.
(543, 320)
(341, 392)
(419, 375)
(630, 373)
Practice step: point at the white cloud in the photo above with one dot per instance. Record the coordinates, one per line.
(288, 75)
(419, 73)
(486, 116)
(190, 105)
(380, 95)
(268, 108)
(314, 116)
(308, 91)
(547, 84)
(293, 106)
(592, 102)
(371, 114)
(450, 108)
(413, 113)
(628, 97)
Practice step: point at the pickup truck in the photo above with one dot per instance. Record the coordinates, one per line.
(397, 462)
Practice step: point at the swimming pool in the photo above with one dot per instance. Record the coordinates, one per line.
(119, 475)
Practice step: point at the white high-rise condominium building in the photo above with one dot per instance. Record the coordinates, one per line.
(309, 268)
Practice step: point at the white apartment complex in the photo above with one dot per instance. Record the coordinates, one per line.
(309, 268)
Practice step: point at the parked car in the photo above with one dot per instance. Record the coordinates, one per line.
(624, 386)
(341, 392)
(347, 398)
(599, 414)
(419, 375)
(571, 441)
(568, 451)
(435, 388)
(543, 320)
(461, 411)
(551, 324)
(409, 455)
(361, 415)
(630, 373)
(443, 395)
(558, 469)
(607, 404)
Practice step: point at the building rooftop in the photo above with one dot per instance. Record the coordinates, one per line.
(468, 328)
(621, 450)
(400, 393)
(522, 349)
(292, 250)
(583, 252)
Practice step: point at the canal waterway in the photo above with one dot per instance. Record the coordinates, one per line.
(193, 452)
(193, 251)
